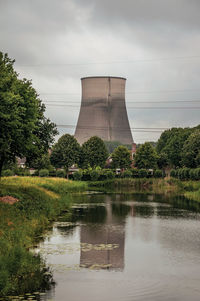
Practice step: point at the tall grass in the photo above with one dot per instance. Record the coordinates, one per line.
(41, 200)
(136, 185)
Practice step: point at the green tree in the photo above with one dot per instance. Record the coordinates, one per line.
(65, 152)
(111, 145)
(146, 156)
(191, 150)
(121, 157)
(162, 160)
(94, 153)
(21, 116)
(42, 162)
(171, 143)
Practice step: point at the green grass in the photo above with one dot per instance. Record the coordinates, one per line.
(137, 185)
(41, 201)
(192, 190)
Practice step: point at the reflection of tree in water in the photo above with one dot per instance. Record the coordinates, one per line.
(120, 210)
(90, 214)
(66, 230)
(143, 210)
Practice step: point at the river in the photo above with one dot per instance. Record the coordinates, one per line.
(125, 247)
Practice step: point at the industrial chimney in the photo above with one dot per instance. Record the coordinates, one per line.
(103, 110)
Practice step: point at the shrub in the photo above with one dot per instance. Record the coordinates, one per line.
(127, 174)
(158, 173)
(7, 173)
(142, 173)
(173, 173)
(60, 173)
(86, 175)
(110, 174)
(52, 173)
(77, 176)
(192, 174)
(94, 175)
(27, 173)
(134, 173)
(43, 173)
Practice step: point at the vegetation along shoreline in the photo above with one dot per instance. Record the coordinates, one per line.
(41, 201)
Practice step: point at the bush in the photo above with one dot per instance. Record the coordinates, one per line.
(86, 175)
(77, 176)
(60, 173)
(142, 173)
(173, 173)
(52, 173)
(134, 173)
(109, 174)
(7, 173)
(158, 173)
(127, 174)
(27, 173)
(43, 173)
(94, 175)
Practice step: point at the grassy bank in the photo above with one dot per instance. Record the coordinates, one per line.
(189, 189)
(41, 201)
(137, 185)
(192, 190)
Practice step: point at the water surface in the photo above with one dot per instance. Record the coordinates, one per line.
(126, 247)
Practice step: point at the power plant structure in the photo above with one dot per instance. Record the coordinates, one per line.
(103, 110)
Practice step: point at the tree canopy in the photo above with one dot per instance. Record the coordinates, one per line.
(176, 147)
(65, 152)
(94, 153)
(25, 132)
(121, 157)
(146, 156)
(191, 150)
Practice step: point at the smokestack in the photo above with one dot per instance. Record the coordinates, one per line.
(103, 110)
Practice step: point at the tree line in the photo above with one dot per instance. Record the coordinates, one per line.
(26, 132)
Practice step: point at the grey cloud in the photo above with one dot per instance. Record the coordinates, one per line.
(46, 34)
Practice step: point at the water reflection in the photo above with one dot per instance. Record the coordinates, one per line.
(127, 247)
(109, 237)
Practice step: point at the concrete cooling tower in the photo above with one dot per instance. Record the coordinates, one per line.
(103, 110)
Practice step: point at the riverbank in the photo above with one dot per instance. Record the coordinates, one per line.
(41, 201)
(21, 225)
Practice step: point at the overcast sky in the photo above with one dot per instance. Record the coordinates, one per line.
(155, 44)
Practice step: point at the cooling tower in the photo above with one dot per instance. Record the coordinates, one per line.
(103, 110)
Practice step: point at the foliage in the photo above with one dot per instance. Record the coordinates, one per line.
(121, 157)
(60, 173)
(44, 173)
(65, 152)
(112, 145)
(7, 173)
(77, 176)
(186, 173)
(191, 150)
(158, 173)
(142, 173)
(41, 200)
(109, 174)
(24, 129)
(42, 162)
(94, 175)
(127, 174)
(146, 156)
(94, 153)
(171, 144)
(162, 160)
